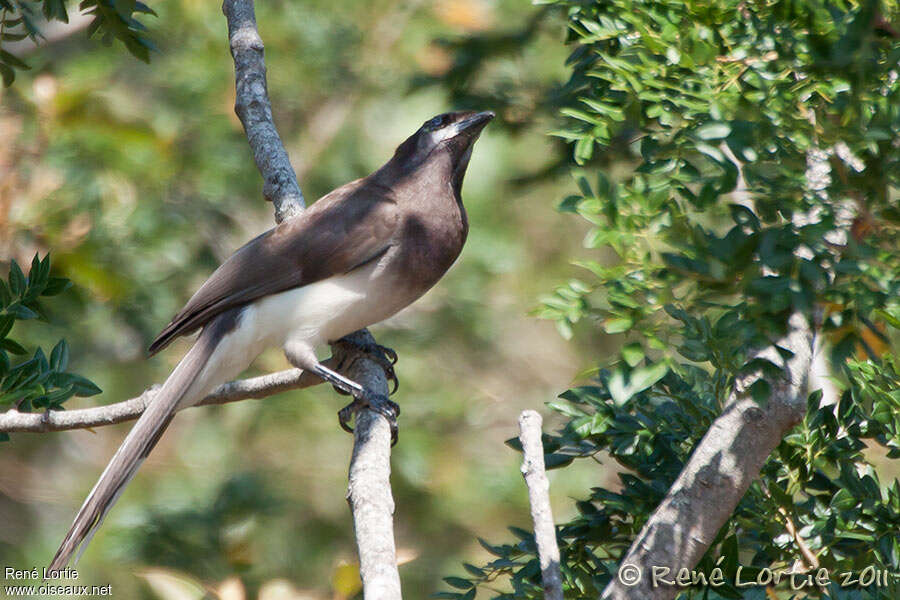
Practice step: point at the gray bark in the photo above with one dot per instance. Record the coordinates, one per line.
(255, 111)
(369, 490)
(717, 475)
(535, 474)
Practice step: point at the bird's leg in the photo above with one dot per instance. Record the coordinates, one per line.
(301, 356)
(362, 398)
(384, 356)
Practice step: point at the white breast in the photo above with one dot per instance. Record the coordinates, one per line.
(311, 315)
(323, 311)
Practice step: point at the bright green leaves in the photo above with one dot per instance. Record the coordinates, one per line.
(735, 163)
(623, 384)
(566, 306)
(37, 382)
(114, 19)
(713, 131)
(717, 112)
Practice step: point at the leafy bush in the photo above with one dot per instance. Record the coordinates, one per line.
(762, 182)
(39, 382)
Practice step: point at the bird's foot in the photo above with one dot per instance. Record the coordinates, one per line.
(384, 356)
(377, 402)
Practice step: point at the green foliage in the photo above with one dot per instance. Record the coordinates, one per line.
(818, 480)
(113, 19)
(761, 181)
(38, 382)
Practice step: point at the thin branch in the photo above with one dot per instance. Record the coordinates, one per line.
(255, 111)
(13, 421)
(369, 490)
(717, 475)
(812, 561)
(539, 498)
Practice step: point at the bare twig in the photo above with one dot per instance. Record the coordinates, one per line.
(369, 490)
(721, 468)
(812, 561)
(255, 111)
(539, 499)
(13, 421)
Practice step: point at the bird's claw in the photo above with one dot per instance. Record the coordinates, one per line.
(384, 356)
(379, 403)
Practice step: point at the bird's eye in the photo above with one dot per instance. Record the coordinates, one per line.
(436, 122)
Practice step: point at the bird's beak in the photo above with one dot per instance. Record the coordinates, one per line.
(474, 124)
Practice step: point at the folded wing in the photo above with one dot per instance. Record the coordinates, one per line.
(346, 229)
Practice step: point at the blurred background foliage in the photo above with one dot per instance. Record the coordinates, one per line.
(139, 179)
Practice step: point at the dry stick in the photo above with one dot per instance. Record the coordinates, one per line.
(718, 473)
(539, 499)
(369, 489)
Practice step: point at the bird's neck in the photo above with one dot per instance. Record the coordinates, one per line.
(436, 172)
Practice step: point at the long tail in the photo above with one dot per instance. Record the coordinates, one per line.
(188, 383)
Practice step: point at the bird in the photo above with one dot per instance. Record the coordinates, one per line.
(355, 257)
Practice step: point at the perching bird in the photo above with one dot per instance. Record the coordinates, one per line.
(354, 258)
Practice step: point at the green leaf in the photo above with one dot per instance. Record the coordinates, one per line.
(13, 60)
(474, 570)
(8, 75)
(556, 461)
(13, 37)
(84, 387)
(16, 279)
(59, 356)
(633, 354)
(140, 7)
(12, 346)
(713, 131)
(6, 324)
(21, 311)
(644, 377)
(458, 582)
(617, 325)
(56, 285)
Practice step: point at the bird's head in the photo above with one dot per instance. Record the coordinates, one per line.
(447, 136)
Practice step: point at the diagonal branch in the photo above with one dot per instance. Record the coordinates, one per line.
(717, 475)
(253, 108)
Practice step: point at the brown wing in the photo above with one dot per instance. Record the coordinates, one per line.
(349, 227)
